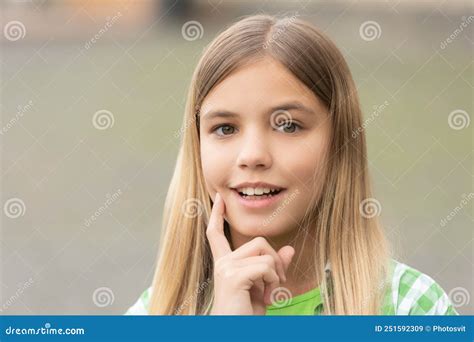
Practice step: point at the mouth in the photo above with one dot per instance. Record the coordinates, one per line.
(255, 197)
(259, 198)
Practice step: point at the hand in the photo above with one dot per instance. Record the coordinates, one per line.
(245, 278)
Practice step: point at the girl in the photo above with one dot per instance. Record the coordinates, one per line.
(269, 210)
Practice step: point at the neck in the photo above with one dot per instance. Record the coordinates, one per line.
(301, 275)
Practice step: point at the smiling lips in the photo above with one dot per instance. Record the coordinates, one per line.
(258, 194)
(257, 185)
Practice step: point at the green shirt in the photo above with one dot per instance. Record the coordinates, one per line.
(410, 292)
(303, 304)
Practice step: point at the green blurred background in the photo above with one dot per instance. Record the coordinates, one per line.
(67, 60)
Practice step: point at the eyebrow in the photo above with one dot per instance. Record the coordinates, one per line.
(294, 105)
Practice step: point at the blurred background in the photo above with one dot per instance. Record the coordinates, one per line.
(92, 98)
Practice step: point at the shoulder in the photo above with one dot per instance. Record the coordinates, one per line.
(412, 292)
(141, 305)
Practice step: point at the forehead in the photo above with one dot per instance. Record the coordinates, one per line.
(257, 86)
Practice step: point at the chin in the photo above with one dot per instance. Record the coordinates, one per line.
(259, 227)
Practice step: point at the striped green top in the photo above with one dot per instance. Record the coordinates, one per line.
(410, 293)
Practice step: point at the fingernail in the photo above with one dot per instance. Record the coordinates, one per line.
(217, 197)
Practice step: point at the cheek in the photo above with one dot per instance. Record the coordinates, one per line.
(303, 166)
(216, 166)
(305, 169)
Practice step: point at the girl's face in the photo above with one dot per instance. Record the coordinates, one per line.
(262, 125)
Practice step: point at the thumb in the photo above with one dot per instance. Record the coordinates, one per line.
(286, 254)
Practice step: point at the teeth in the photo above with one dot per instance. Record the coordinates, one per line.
(249, 191)
(256, 191)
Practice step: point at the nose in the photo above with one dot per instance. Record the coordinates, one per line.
(254, 152)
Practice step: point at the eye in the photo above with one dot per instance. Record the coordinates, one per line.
(289, 127)
(224, 129)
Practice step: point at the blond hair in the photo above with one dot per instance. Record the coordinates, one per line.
(353, 244)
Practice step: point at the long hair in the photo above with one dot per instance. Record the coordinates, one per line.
(349, 240)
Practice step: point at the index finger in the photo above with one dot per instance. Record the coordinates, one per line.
(215, 230)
